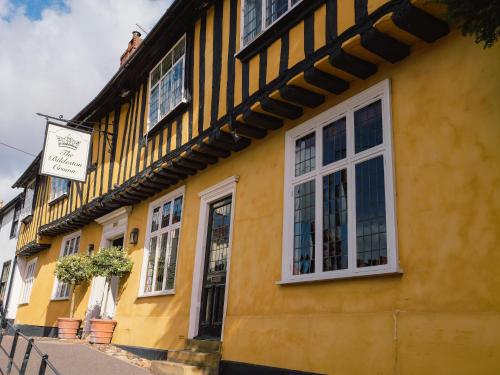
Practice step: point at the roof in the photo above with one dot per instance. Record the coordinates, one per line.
(29, 174)
(11, 204)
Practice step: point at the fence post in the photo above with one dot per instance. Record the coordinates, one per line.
(26, 357)
(43, 364)
(13, 351)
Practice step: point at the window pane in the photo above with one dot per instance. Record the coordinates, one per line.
(176, 84)
(305, 154)
(334, 142)
(368, 127)
(176, 215)
(165, 87)
(371, 241)
(165, 216)
(335, 253)
(179, 50)
(151, 264)
(252, 23)
(303, 243)
(155, 76)
(154, 221)
(160, 265)
(274, 9)
(153, 106)
(166, 64)
(172, 258)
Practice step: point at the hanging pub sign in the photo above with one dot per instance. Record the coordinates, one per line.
(65, 152)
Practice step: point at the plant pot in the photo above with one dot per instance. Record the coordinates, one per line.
(67, 328)
(101, 330)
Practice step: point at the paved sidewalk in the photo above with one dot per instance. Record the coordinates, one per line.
(69, 359)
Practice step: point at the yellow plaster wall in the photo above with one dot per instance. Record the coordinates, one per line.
(442, 316)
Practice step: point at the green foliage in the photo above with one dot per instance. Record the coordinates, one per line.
(73, 269)
(111, 261)
(478, 18)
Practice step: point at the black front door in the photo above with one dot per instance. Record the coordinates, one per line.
(214, 279)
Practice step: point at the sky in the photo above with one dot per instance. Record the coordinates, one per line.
(55, 57)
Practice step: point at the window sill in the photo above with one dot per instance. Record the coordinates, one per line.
(58, 199)
(277, 29)
(20, 304)
(168, 117)
(157, 294)
(27, 219)
(57, 299)
(344, 276)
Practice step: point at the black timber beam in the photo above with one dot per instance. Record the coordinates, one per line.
(261, 120)
(419, 23)
(301, 96)
(201, 157)
(170, 174)
(248, 131)
(134, 196)
(176, 168)
(352, 64)
(325, 81)
(384, 45)
(213, 151)
(226, 141)
(188, 163)
(281, 108)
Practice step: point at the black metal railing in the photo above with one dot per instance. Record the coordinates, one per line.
(31, 349)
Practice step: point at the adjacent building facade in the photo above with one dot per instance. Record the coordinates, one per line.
(313, 183)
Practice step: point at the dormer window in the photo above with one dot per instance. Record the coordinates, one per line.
(166, 83)
(259, 15)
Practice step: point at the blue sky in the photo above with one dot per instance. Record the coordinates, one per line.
(34, 8)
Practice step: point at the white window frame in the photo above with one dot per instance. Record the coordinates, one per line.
(28, 281)
(53, 196)
(150, 88)
(264, 27)
(67, 238)
(346, 109)
(180, 192)
(29, 197)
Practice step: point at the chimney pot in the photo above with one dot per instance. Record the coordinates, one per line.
(132, 46)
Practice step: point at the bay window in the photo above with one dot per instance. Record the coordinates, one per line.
(166, 83)
(162, 243)
(258, 15)
(339, 209)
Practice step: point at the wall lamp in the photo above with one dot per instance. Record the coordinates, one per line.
(134, 236)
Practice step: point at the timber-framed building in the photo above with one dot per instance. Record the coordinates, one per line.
(289, 180)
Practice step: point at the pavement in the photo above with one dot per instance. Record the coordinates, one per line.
(69, 358)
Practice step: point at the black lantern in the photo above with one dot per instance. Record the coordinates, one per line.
(134, 236)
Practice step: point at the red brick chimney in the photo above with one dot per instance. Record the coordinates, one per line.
(134, 43)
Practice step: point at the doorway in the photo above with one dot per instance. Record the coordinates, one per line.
(215, 269)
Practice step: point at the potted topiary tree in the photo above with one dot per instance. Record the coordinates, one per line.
(72, 270)
(109, 262)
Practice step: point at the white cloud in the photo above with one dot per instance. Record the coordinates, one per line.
(56, 65)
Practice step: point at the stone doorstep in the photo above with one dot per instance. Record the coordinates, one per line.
(204, 346)
(174, 368)
(190, 357)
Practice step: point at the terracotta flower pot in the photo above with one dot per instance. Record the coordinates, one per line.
(101, 330)
(67, 328)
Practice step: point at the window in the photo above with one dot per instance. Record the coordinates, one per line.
(29, 277)
(162, 242)
(59, 188)
(15, 221)
(166, 82)
(28, 200)
(4, 278)
(70, 245)
(258, 15)
(339, 212)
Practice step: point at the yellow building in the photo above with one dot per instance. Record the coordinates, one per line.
(315, 184)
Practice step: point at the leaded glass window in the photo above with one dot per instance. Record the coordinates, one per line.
(166, 83)
(161, 251)
(258, 15)
(70, 246)
(58, 187)
(339, 222)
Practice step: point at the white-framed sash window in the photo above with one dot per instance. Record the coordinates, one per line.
(166, 83)
(339, 198)
(259, 15)
(28, 200)
(162, 244)
(70, 245)
(29, 278)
